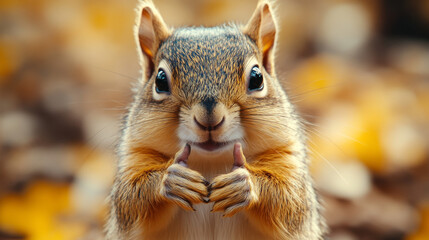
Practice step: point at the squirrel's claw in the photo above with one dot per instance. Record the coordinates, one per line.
(183, 203)
(232, 210)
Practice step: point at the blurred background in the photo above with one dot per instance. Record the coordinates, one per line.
(358, 70)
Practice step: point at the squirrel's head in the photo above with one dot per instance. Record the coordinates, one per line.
(209, 87)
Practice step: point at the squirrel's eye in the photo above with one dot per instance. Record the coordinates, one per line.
(256, 81)
(161, 82)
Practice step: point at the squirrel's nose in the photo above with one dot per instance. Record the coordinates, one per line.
(208, 125)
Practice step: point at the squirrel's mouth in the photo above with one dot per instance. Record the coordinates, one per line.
(211, 145)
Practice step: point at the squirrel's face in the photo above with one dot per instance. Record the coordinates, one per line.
(210, 78)
(209, 87)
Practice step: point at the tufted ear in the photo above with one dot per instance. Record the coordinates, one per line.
(262, 29)
(152, 31)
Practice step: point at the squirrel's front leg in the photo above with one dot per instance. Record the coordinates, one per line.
(146, 190)
(233, 191)
(274, 192)
(182, 185)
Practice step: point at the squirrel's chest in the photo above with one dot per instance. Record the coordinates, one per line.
(211, 166)
(203, 224)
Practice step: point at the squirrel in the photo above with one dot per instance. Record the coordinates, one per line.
(211, 146)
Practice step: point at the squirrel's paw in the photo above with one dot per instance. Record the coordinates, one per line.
(182, 185)
(232, 192)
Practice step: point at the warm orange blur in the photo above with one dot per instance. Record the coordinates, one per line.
(357, 70)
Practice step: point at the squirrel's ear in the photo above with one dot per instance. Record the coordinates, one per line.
(152, 30)
(261, 28)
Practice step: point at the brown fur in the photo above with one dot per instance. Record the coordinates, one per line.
(163, 192)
